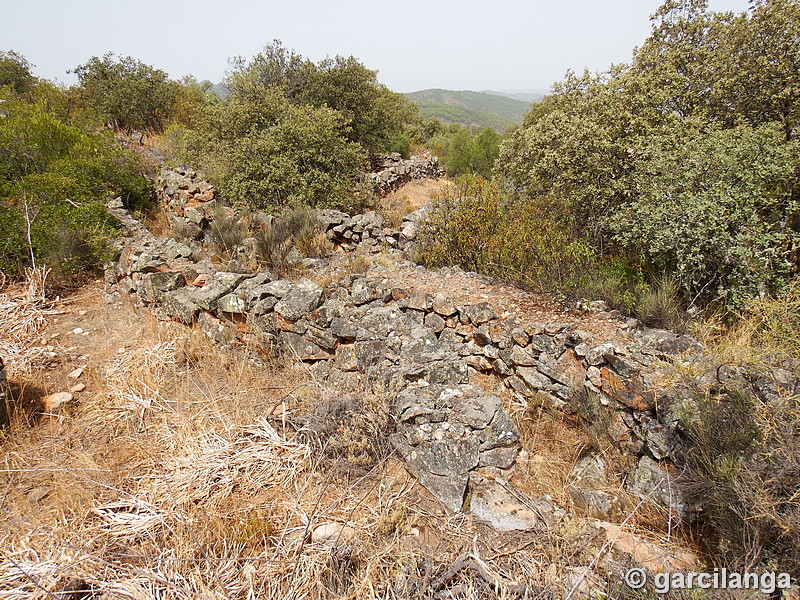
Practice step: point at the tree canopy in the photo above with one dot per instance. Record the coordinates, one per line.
(685, 161)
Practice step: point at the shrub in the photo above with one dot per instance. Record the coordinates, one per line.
(475, 226)
(269, 154)
(297, 230)
(15, 72)
(127, 93)
(54, 178)
(228, 230)
(742, 471)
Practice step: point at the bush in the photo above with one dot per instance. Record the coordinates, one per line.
(742, 471)
(15, 72)
(296, 230)
(54, 179)
(228, 230)
(127, 93)
(684, 162)
(465, 152)
(269, 154)
(475, 226)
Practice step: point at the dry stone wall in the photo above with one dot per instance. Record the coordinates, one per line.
(392, 172)
(364, 332)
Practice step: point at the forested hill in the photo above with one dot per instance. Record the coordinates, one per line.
(470, 108)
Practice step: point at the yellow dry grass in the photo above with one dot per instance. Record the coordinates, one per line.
(183, 473)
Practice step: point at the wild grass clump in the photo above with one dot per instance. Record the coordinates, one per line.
(297, 230)
(742, 471)
(660, 306)
(229, 232)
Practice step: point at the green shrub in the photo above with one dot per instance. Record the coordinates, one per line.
(466, 152)
(15, 72)
(685, 161)
(54, 179)
(475, 226)
(127, 93)
(269, 154)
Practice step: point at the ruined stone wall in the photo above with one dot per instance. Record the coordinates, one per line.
(365, 332)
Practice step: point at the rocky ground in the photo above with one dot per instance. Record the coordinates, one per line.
(357, 430)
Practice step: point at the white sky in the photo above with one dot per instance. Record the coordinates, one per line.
(414, 44)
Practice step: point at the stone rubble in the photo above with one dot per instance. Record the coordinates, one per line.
(366, 333)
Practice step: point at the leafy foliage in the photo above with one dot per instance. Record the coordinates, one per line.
(292, 132)
(266, 153)
(53, 179)
(464, 152)
(126, 93)
(474, 225)
(371, 115)
(15, 71)
(683, 162)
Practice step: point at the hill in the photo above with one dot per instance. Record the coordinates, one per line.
(470, 108)
(526, 95)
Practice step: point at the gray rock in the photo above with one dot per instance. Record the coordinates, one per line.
(507, 509)
(215, 329)
(343, 329)
(477, 314)
(263, 306)
(502, 431)
(278, 288)
(153, 285)
(435, 322)
(444, 306)
(502, 458)
(650, 481)
(301, 300)
(207, 296)
(179, 304)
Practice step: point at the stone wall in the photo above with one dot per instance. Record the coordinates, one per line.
(364, 332)
(392, 172)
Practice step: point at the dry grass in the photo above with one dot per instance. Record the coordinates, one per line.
(184, 472)
(183, 475)
(413, 195)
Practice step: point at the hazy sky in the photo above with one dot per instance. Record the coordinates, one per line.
(414, 44)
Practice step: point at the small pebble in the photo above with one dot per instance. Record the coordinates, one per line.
(77, 331)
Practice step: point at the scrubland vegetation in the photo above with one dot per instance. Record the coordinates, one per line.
(666, 187)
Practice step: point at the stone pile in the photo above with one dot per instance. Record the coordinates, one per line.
(186, 193)
(392, 172)
(366, 333)
(366, 231)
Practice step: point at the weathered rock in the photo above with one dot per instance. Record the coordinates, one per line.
(650, 481)
(221, 284)
(507, 509)
(218, 331)
(629, 392)
(179, 304)
(444, 306)
(481, 313)
(153, 285)
(300, 300)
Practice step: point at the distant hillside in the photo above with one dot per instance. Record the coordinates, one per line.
(470, 108)
(526, 95)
